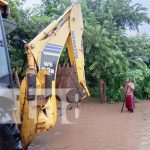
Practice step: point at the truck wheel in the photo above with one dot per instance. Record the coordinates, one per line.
(9, 133)
(6, 138)
(10, 137)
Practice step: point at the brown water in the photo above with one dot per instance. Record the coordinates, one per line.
(144, 129)
(99, 127)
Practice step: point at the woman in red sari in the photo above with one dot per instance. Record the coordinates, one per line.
(129, 89)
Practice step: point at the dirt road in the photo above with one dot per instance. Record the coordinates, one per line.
(99, 127)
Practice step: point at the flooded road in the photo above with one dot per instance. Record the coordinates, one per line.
(99, 127)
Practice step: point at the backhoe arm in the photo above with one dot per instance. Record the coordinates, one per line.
(45, 50)
(44, 75)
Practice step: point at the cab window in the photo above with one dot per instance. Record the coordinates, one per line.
(3, 57)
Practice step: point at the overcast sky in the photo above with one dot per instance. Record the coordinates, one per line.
(145, 28)
(29, 3)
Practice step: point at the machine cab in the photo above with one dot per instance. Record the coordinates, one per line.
(5, 70)
(5, 73)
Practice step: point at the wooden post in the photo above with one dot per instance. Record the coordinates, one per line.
(17, 79)
(102, 85)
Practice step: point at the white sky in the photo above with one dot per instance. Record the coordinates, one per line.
(145, 28)
(30, 3)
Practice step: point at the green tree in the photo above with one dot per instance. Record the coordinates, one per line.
(106, 46)
(30, 24)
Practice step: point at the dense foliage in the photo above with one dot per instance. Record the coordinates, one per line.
(110, 54)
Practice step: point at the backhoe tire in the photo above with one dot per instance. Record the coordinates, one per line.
(10, 137)
(6, 139)
(9, 133)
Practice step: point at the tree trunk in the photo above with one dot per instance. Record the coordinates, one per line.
(102, 84)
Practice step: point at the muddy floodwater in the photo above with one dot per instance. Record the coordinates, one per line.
(99, 127)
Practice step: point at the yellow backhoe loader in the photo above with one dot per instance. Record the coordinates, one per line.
(36, 109)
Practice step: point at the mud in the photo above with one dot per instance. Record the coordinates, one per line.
(99, 127)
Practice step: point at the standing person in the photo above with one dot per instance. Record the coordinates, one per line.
(129, 89)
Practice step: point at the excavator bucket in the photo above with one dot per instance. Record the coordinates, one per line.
(67, 81)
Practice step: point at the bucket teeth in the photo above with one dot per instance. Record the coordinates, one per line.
(67, 79)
